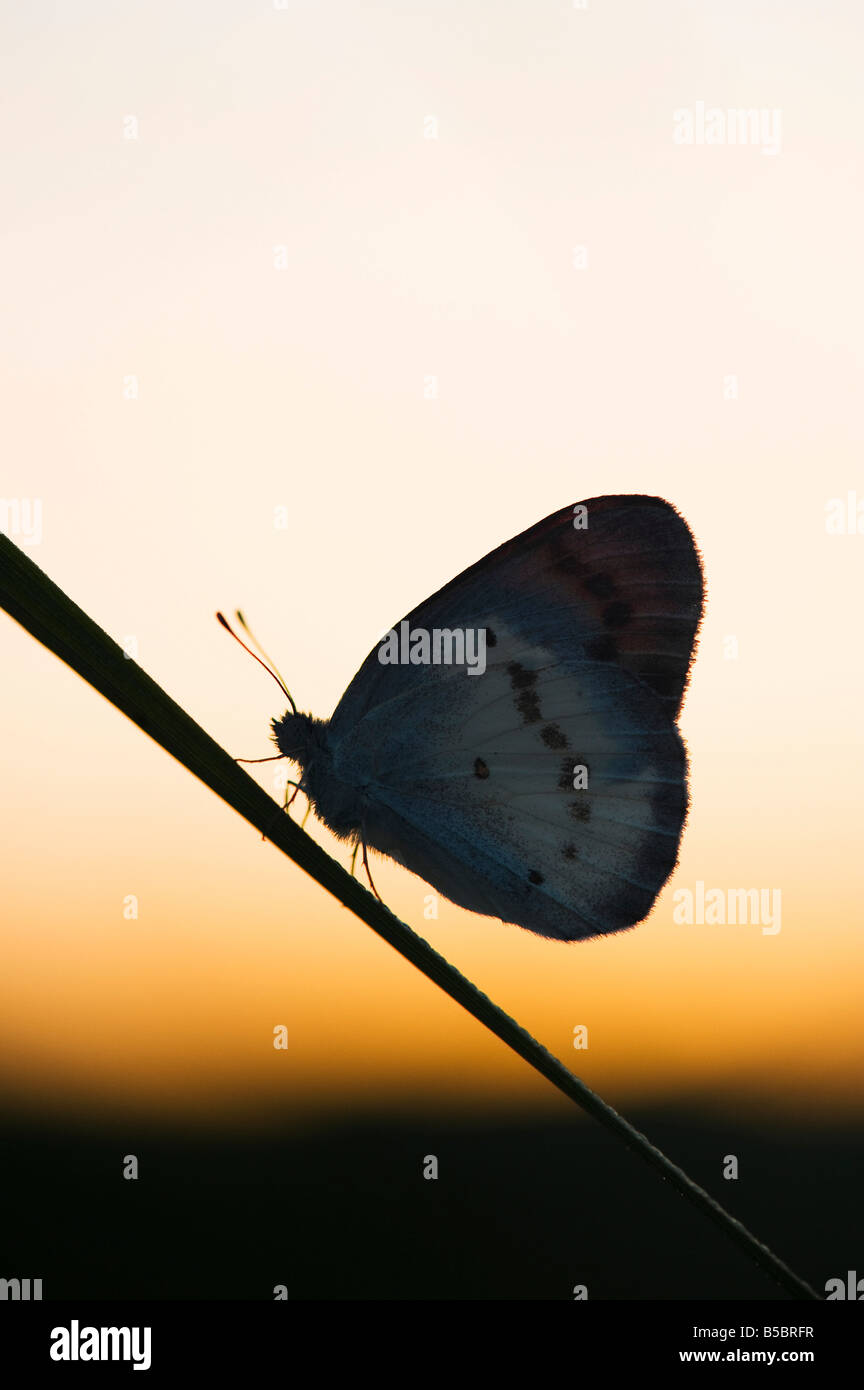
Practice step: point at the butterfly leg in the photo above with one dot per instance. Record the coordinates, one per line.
(284, 810)
(368, 874)
(354, 858)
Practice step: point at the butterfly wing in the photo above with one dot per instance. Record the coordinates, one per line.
(627, 588)
(473, 782)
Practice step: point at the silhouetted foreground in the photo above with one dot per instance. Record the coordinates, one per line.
(522, 1209)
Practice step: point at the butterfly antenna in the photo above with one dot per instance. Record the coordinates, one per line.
(254, 640)
(271, 672)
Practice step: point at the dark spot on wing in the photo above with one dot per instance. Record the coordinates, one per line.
(480, 769)
(602, 648)
(617, 614)
(527, 702)
(570, 852)
(580, 810)
(491, 639)
(534, 877)
(553, 737)
(600, 585)
(520, 679)
(528, 706)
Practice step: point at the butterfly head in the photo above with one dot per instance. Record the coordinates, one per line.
(300, 737)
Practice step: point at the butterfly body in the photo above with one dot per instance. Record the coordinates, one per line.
(551, 790)
(329, 785)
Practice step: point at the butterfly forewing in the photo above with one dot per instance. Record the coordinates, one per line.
(624, 584)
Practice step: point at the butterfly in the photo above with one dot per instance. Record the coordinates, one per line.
(550, 790)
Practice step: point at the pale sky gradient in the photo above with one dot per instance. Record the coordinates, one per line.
(303, 388)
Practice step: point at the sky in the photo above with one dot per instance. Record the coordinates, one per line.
(308, 308)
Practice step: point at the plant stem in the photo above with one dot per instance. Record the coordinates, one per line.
(46, 612)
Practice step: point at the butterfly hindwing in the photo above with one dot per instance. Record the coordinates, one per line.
(567, 823)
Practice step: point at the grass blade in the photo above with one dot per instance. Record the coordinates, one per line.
(31, 598)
